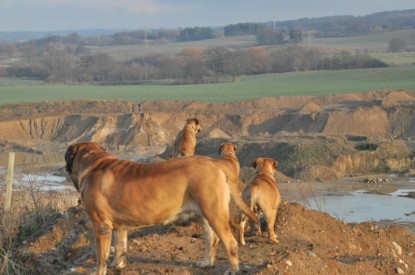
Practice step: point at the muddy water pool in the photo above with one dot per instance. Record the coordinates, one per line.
(362, 205)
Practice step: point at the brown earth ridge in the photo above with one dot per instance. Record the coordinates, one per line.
(314, 139)
(342, 134)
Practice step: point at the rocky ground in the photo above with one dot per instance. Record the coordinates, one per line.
(311, 242)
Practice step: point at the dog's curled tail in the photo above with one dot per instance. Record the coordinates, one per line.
(237, 197)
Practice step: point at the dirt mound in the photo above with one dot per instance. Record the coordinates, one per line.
(310, 108)
(311, 242)
(132, 127)
(157, 122)
(217, 133)
(393, 98)
(318, 173)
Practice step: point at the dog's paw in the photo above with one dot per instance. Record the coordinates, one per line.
(276, 241)
(101, 271)
(119, 263)
(204, 263)
(230, 271)
(258, 233)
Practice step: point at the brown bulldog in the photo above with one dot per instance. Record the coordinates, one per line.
(185, 142)
(262, 193)
(121, 194)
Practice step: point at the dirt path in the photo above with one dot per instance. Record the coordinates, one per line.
(311, 242)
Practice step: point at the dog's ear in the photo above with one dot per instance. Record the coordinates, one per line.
(69, 156)
(221, 148)
(254, 164)
(100, 147)
(275, 165)
(235, 147)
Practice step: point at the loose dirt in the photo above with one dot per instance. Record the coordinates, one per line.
(311, 242)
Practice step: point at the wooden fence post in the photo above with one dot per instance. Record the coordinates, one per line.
(9, 182)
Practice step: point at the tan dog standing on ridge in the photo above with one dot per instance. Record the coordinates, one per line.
(121, 194)
(185, 143)
(262, 193)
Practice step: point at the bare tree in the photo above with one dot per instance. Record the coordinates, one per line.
(215, 59)
(235, 63)
(257, 57)
(59, 66)
(103, 66)
(193, 65)
(396, 45)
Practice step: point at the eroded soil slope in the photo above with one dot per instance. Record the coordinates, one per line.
(311, 242)
(313, 138)
(384, 114)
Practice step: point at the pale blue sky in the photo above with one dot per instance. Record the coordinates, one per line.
(52, 15)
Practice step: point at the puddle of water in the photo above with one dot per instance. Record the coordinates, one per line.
(49, 182)
(41, 182)
(46, 186)
(45, 182)
(360, 206)
(42, 178)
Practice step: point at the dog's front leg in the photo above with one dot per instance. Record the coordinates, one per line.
(102, 234)
(120, 244)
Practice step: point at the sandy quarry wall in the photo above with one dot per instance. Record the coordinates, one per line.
(386, 114)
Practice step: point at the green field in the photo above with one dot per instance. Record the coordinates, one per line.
(248, 87)
(375, 42)
(403, 58)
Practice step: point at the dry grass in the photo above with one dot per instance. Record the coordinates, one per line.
(28, 212)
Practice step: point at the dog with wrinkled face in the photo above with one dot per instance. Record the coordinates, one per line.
(185, 143)
(262, 194)
(120, 194)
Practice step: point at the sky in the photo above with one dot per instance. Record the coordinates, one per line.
(57, 15)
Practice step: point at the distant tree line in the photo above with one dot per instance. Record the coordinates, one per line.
(346, 26)
(266, 33)
(244, 29)
(196, 33)
(190, 66)
(70, 59)
(265, 36)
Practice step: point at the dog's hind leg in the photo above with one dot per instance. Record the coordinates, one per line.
(120, 244)
(220, 224)
(242, 223)
(271, 216)
(212, 243)
(254, 208)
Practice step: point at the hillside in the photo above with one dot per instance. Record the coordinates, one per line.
(311, 242)
(316, 140)
(342, 26)
(328, 26)
(277, 127)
